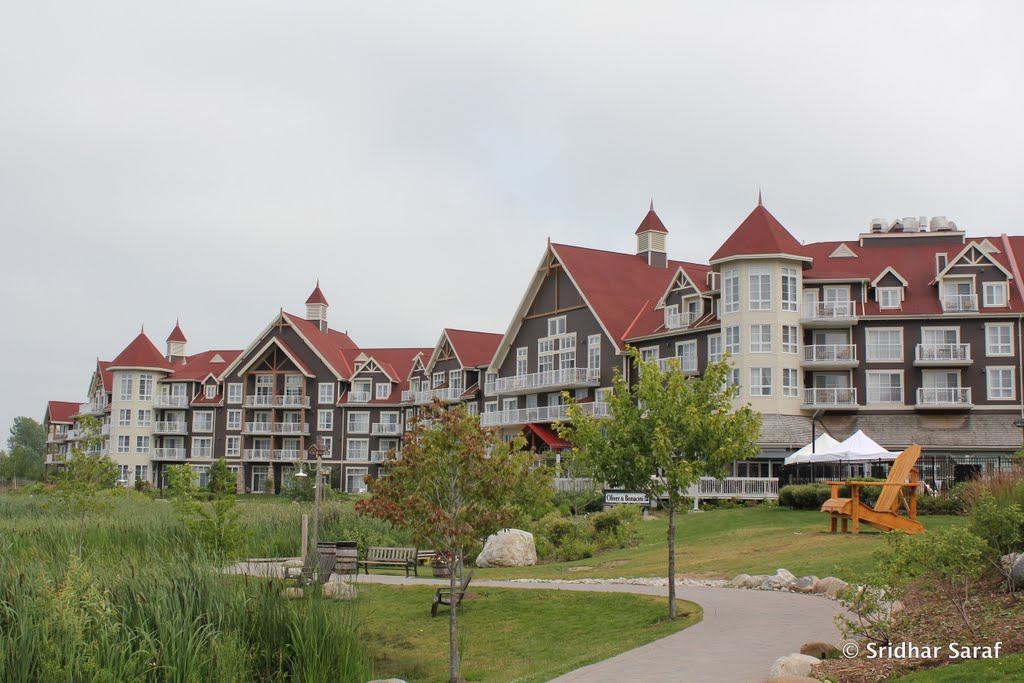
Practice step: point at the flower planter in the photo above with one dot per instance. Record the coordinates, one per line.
(441, 571)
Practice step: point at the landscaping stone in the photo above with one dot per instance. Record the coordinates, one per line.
(793, 665)
(805, 584)
(830, 586)
(1017, 574)
(339, 590)
(508, 548)
(782, 580)
(819, 650)
(294, 562)
(740, 580)
(1006, 562)
(291, 593)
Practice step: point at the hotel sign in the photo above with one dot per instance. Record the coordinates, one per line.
(626, 498)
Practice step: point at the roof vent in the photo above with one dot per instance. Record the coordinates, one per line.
(896, 226)
(938, 223)
(877, 225)
(910, 224)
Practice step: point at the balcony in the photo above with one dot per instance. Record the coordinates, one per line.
(545, 414)
(932, 355)
(359, 397)
(256, 428)
(59, 437)
(687, 365)
(276, 401)
(291, 428)
(92, 408)
(960, 303)
(386, 428)
(287, 455)
(566, 378)
(829, 314)
(829, 356)
(949, 398)
(168, 453)
(680, 321)
(257, 454)
(202, 427)
(170, 402)
(841, 398)
(202, 451)
(426, 396)
(173, 427)
(378, 456)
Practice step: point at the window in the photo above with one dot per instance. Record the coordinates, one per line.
(383, 389)
(889, 297)
(145, 418)
(438, 379)
(522, 358)
(649, 354)
(354, 479)
(760, 338)
(233, 446)
(326, 393)
(546, 361)
(1000, 384)
(328, 446)
(884, 345)
(124, 417)
(789, 289)
(602, 395)
(731, 291)
(594, 351)
(145, 387)
(360, 391)
(122, 478)
(455, 379)
(790, 382)
(567, 354)
(556, 326)
(357, 449)
(202, 421)
(687, 354)
(510, 404)
(142, 473)
(211, 391)
(202, 447)
(472, 409)
(259, 479)
(733, 378)
(995, 294)
(234, 420)
(359, 423)
(999, 339)
(790, 339)
(760, 381)
(235, 393)
(124, 444)
(732, 339)
(885, 387)
(490, 379)
(760, 287)
(324, 420)
(126, 387)
(142, 444)
(714, 348)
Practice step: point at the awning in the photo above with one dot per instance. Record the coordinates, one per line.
(549, 437)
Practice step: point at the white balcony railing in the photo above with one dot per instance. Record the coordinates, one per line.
(92, 408)
(168, 453)
(830, 311)
(830, 354)
(680, 321)
(278, 401)
(171, 427)
(550, 379)
(944, 396)
(407, 395)
(202, 451)
(257, 428)
(359, 397)
(959, 303)
(832, 396)
(750, 488)
(259, 454)
(378, 456)
(288, 454)
(687, 364)
(291, 428)
(386, 428)
(170, 402)
(202, 427)
(425, 396)
(942, 353)
(542, 414)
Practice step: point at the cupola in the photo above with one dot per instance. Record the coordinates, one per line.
(650, 239)
(316, 308)
(176, 342)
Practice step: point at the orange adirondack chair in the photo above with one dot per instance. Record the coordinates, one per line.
(900, 487)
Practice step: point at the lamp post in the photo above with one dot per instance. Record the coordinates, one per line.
(316, 451)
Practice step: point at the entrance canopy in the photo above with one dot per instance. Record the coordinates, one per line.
(858, 448)
(548, 436)
(825, 442)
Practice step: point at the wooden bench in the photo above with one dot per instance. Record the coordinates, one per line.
(387, 558)
(424, 556)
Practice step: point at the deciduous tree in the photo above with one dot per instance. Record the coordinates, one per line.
(26, 450)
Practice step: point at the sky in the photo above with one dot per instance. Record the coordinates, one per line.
(209, 161)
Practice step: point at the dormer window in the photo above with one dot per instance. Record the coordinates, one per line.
(211, 391)
(995, 294)
(889, 297)
(383, 390)
(672, 316)
(958, 295)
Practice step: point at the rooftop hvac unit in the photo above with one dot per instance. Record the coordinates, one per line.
(896, 226)
(910, 224)
(877, 225)
(938, 223)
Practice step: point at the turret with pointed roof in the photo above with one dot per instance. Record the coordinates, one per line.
(316, 307)
(650, 239)
(141, 353)
(176, 342)
(760, 234)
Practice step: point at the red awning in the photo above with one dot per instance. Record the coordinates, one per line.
(549, 437)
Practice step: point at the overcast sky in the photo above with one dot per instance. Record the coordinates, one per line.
(210, 160)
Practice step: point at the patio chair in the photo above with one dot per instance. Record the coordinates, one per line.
(899, 490)
(444, 596)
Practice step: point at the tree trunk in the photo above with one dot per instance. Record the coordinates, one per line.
(453, 639)
(671, 560)
(81, 533)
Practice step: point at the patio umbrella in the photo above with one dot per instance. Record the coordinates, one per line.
(858, 448)
(823, 443)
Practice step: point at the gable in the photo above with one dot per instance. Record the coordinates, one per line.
(843, 251)
(681, 286)
(969, 260)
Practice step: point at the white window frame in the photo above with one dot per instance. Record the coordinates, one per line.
(757, 338)
(732, 347)
(325, 393)
(349, 450)
(759, 295)
(144, 418)
(382, 390)
(882, 295)
(126, 388)
(360, 472)
(124, 444)
(714, 348)
(758, 389)
(522, 361)
(142, 473)
(649, 353)
(731, 291)
(989, 328)
(235, 393)
(328, 446)
(198, 416)
(124, 417)
(233, 446)
(211, 391)
(142, 444)
(993, 287)
(868, 346)
(556, 326)
(234, 420)
(146, 387)
(349, 429)
(792, 344)
(790, 300)
(325, 420)
(594, 352)
(791, 389)
(997, 371)
(880, 373)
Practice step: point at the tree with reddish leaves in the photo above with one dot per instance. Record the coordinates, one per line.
(454, 484)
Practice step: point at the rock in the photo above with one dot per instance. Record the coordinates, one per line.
(1006, 562)
(820, 650)
(508, 548)
(291, 593)
(830, 586)
(297, 562)
(782, 580)
(793, 665)
(339, 590)
(740, 581)
(1017, 574)
(805, 584)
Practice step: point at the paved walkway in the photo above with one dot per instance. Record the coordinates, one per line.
(741, 634)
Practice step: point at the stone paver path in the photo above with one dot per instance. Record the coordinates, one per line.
(741, 634)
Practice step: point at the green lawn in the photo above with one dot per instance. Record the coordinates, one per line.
(509, 634)
(1009, 668)
(723, 543)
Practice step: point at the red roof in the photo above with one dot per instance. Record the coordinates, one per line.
(317, 297)
(199, 366)
(176, 334)
(62, 411)
(759, 233)
(106, 376)
(330, 344)
(548, 436)
(651, 223)
(396, 364)
(474, 349)
(140, 353)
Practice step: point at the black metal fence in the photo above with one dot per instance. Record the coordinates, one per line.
(939, 472)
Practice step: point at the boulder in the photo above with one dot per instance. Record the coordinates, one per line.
(1017, 574)
(793, 665)
(830, 586)
(754, 581)
(1006, 562)
(291, 593)
(508, 548)
(339, 590)
(805, 584)
(782, 580)
(740, 581)
(820, 650)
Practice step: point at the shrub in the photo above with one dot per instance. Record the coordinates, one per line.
(589, 501)
(804, 496)
(576, 549)
(1007, 487)
(949, 504)
(1000, 525)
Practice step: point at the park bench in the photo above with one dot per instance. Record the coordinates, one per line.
(444, 596)
(386, 558)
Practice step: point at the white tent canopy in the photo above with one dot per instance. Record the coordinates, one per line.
(825, 442)
(858, 448)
